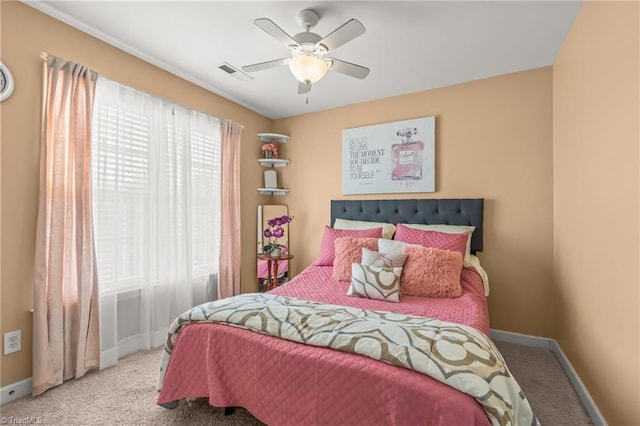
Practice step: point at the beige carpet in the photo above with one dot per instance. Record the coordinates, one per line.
(542, 379)
(126, 395)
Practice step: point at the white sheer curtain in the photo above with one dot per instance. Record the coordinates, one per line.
(156, 206)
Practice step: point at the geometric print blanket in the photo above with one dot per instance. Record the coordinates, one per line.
(457, 355)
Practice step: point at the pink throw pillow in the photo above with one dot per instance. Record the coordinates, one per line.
(327, 247)
(432, 272)
(441, 240)
(348, 250)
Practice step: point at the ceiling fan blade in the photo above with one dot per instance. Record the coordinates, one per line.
(348, 68)
(347, 32)
(268, 26)
(303, 88)
(265, 65)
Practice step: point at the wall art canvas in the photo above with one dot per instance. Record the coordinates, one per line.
(389, 157)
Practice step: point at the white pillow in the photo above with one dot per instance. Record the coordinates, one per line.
(392, 247)
(375, 258)
(388, 229)
(449, 229)
(374, 282)
(475, 263)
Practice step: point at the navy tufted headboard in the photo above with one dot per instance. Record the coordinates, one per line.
(458, 211)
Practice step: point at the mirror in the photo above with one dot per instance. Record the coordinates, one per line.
(271, 272)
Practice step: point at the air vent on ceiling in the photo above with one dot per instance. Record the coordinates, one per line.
(234, 72)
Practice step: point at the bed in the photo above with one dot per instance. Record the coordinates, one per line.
(285, 376)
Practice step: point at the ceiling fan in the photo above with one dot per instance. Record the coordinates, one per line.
(308, 62)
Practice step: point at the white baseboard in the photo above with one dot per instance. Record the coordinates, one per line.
(585, 397)
(16, 390)
(521, 339)
(554, 346)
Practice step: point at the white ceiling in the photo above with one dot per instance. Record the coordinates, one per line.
(409, 46)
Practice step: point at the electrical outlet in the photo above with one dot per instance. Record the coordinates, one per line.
(12, 342)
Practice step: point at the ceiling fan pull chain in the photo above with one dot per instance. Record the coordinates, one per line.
(307, 99)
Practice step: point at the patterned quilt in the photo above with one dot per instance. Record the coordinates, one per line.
(457, 355)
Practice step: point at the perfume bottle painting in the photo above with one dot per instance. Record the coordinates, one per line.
(407, 156)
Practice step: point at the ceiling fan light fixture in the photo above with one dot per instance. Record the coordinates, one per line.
(308, 69)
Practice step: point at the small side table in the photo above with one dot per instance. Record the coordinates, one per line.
(272, 267)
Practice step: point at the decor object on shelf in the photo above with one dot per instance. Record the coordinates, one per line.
(270, 150)
(274, 232)
(270, 179)
(308, 62)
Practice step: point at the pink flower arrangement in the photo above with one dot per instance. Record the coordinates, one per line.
(271, 147)
(275, 231)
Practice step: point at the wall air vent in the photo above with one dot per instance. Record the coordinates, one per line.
(234, 72)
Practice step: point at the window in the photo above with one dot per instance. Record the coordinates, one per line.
(156, 203)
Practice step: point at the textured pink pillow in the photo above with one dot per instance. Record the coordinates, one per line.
(441, 240)
(348, 250)
(327, 253)
(432, 272)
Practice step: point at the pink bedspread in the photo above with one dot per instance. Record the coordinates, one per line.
(287, 383)
(315, 283)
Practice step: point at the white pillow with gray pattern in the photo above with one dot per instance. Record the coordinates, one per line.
(375, 282)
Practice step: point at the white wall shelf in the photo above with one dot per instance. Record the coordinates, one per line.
(273, 137)
(272, 191)
(273, 162)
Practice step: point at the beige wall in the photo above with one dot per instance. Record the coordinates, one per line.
(493, 140)
(596, 204)
(25, 33)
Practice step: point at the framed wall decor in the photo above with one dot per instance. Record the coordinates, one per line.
(389, 157)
